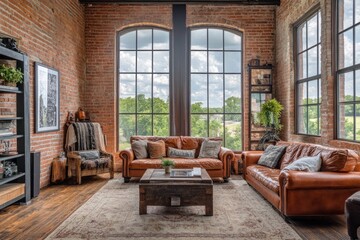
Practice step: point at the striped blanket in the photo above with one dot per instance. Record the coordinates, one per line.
(84, 136)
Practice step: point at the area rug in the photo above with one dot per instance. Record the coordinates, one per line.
(113, 213)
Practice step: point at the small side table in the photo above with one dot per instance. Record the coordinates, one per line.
(236, 162)
(58, 170)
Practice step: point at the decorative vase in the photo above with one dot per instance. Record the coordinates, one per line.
(167, 169)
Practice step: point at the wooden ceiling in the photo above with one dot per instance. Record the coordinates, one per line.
(241, 2)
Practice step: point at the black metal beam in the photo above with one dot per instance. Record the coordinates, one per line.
(240, 2)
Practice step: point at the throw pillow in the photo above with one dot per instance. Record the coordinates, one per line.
(174, 152)
(90, 154)
(156, 149)
(272, 156)
(306, 164)
(140, 149)
(210, 149)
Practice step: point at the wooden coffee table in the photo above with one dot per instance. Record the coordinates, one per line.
(159, 189)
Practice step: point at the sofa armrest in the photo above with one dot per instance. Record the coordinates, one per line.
(127, 156)
(318, 180)
(250, 158)
(226, 156)
(73, 155)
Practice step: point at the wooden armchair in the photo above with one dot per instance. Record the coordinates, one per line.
(86, 154)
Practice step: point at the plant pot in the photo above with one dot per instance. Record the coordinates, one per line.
(8, 85)
(167, 169)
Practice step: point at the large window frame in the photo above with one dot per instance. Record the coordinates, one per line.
(151, 113)
(304, 82)
(347, 71)
(222, 75)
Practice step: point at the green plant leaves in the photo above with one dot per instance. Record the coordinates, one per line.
(11, 75)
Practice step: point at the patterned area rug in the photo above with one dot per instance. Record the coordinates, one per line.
(113, 213)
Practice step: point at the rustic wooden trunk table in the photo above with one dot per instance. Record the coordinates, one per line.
(159, 189)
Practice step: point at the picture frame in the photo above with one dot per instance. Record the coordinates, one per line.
(47, 98)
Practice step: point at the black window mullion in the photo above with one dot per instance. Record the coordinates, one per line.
(224, 85)
(152, 82)
(136, 75)
(208, 81)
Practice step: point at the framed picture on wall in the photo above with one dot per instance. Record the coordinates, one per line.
(47, 98)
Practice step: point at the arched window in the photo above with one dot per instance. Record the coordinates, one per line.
(143, 80)
(216, 80)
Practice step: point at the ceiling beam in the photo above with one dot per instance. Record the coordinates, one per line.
(241, 2)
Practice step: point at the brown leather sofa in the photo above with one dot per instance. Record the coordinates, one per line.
(297, 193)
(217, 168)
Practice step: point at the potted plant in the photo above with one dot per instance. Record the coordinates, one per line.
(167, 164)
(10, 76)
(269, 117)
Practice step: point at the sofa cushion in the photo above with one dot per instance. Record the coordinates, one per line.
(207, 163)
(306, 164)
(272, 156)
(174, 152)
(266, 176)
(172, 141)
(189, 143)
(156, 149)
(140, 148)
(210, 149)
(333, 159)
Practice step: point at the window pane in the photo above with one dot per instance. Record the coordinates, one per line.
(232, 93)
(233, 131)
(346, 121)
(302, 66)
(198, 61)
(198, 93)
(144, 104)
(144, 62)
(216, 93)
(216, 128)
(215, 39)
(346, 87)
(232, 62)
(161, 93)
(319, 59)
(199, 39)
(319, 90)
(312, 64)
(127, 129)
(345, 14)
(161, 125)
(161, 61)
(199, 125)
(312, 92)
(357, 45)
(312, 31)
(301, 37)
(127, 93)
(161, 40)
(128, 41)
(144, 39)
(216, 61)
(313, 120)
(302, 120)
(357, 85)
(232, 41)
(127, 61)
(302, 93)
(319, 26)
(346, 49)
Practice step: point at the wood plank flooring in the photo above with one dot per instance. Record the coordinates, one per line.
(57, 202)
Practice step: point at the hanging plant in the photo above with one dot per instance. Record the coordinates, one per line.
(270, 113)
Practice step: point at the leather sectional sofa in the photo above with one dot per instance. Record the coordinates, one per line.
(217, 168)
(297, 193)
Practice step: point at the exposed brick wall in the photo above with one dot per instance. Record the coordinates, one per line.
(286, 15)
(50, 32)
(103, 21)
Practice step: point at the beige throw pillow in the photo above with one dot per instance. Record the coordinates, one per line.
(174, 152)
(210, 149)
(140, 149)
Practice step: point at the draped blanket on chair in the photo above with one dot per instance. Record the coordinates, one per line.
(87, 136)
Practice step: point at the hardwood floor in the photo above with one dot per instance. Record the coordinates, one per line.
(55, 203)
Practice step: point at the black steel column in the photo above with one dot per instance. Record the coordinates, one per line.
(180, 82)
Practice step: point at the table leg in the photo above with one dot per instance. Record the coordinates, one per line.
(142, 201)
